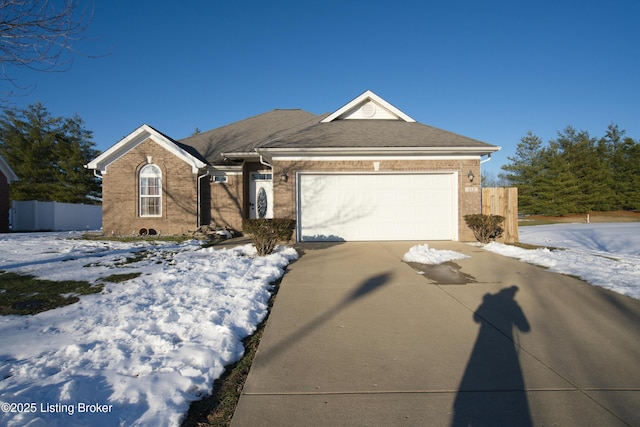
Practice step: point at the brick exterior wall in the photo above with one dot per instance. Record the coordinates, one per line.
(469, 194)
(120, 202)
(4, 203)
(227, 202)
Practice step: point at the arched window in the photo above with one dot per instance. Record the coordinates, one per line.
(150, 191)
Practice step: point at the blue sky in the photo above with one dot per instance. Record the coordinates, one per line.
(489, 70)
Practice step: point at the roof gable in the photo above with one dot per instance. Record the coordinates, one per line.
(136, 137)
(368, 106)
(7, 171)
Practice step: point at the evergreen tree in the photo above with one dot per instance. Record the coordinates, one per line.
(524, 172)
(626, 173)
(576, 173)
(589, 167)
(631, 194)
(48, 154)
(624, 162)
(557, 189)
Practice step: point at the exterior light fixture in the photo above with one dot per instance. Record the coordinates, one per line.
(284, 177)
(470, 175)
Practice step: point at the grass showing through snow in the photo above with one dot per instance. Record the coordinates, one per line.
(25, 294)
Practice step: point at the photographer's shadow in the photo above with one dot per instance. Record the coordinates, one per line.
(492, 390)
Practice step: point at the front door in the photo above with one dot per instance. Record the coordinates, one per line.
(261, 195)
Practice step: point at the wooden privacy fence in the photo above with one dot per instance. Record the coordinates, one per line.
(503, 201)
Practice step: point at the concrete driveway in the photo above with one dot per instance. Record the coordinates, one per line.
(358, 337)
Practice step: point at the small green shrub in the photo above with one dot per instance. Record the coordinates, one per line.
(266, 233)
(485, 227)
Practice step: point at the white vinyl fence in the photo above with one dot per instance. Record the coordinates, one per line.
(54, 216)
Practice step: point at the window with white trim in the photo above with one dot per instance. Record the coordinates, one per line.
(219, 179)
(261, 176)
(150, 191)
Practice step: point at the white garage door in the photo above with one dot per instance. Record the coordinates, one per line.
(356, 207)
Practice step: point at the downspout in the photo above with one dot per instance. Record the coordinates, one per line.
(481, 163)
(264, 162)
(199, 216)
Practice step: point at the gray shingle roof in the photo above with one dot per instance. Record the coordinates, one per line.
(374, 134)
(246, 135)
(298, 129)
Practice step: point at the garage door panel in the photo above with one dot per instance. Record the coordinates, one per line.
(376, 207)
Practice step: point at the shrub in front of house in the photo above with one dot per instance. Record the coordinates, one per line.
(486, 228)
(266, 233)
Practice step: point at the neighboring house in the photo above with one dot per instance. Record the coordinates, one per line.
(7, 176)
(367, 171)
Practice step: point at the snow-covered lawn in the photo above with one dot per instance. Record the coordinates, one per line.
(603, 254)
(140, 351)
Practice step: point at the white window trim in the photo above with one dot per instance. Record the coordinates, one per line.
(219, 179)
(141, 196)
(262, 175)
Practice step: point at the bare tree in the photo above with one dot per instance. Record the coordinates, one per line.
(37, 34)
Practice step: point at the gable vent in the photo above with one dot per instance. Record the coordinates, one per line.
(369, 109)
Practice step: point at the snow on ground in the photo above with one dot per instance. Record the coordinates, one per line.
(602, 254)
(423, 254)
(138, 352)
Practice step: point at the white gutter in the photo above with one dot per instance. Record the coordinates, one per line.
(239, 155)
(269, 153)
(379, 149)
(487, 159)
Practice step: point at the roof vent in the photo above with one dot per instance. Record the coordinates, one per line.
(369, 109)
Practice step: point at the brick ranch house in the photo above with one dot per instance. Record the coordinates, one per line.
(367, 171)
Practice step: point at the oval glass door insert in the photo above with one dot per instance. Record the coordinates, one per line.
(261, 203)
